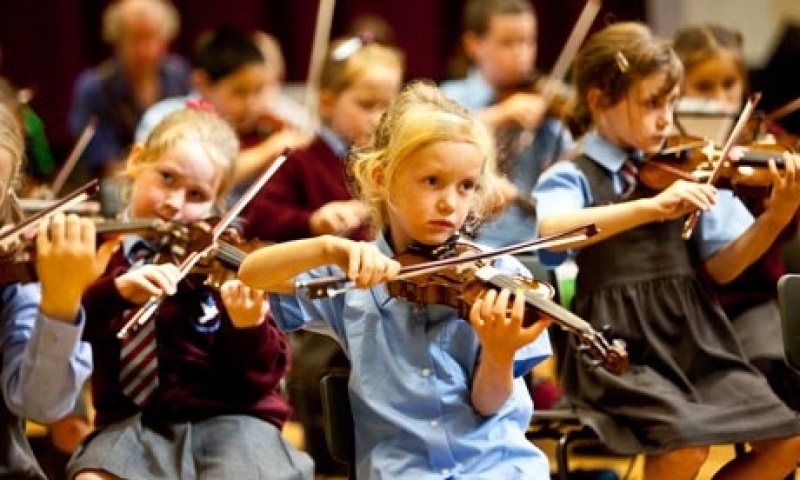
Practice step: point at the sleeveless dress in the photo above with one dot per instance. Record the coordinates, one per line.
(689, 382)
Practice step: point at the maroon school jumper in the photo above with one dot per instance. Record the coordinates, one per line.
(307, 180)
(205, 369)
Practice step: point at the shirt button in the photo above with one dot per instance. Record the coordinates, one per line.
(426, 372)
(434, 423)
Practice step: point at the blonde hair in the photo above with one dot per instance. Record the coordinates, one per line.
(419, 116)
(12, 141)
(612, 61)
(348, 58)
(161, 11)
(201, 127)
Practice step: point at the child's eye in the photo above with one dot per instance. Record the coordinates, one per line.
(167, 177)
(197, 196)
(468, 185)
(432, 181)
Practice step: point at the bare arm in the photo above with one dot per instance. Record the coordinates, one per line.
(273, 268)
(728, 262)
(501, 335)
(732, 259)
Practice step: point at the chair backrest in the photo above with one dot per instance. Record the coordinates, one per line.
(789, 303)
(338, 419)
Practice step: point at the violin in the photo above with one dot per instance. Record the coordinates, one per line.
(695, 159)
(198, 244)
(458, 276)
(557, 94)
(461, 286)
(18, 263)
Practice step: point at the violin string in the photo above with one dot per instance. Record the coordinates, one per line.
(561, 315)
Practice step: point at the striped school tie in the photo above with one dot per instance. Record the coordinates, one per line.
(138, 354)
(629, 173)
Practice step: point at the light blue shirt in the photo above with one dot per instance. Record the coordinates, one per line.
(45, 363)
(550, 141)
(564, 188)
(412, 368)
(153, 115)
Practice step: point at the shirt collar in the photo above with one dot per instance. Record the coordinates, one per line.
(334, 141)
(132, 242)
(481, 91)
(608, 155)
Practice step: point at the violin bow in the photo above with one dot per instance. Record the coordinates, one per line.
(782, 111)
(332, 286)
(146, 311)
(12, 236)
(322, 33)
(69, 164)
(560, 68)
(747, 112)
(570, 49)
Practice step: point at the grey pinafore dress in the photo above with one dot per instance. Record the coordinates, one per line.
(688, 383)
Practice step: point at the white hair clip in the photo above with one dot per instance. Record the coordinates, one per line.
(622, 62)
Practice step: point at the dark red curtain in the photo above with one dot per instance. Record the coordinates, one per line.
(46, 43)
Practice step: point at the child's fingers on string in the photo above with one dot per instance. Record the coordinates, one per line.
(54, 229)
(518, 308)
(500, 307)
(487, 308)
(475, 317)
(88, 232)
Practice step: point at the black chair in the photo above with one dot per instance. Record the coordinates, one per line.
(789, 304)
(338, 421)
(565, 426)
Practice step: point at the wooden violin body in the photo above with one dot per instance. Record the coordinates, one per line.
(462, 285)
(457, 287)
(696, 159)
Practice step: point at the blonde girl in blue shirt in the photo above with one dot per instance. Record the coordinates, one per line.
(689, 384)
(44, 361)
(434, 396)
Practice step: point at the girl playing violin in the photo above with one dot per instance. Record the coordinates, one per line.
(690, 384)
(433, 395)
(199, 397)
(45, 364)
(311, 195)
(715, 70)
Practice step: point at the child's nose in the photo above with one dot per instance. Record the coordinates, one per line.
(448, 200)
(174, 200)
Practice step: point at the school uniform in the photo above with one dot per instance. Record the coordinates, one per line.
(689, 381)
(217, 411)
(44, 366)
(412, 368)
(309, 178)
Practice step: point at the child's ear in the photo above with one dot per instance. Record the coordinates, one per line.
(470, 41)
(135, 157)
(596, 100)
(327, 99)
(379, 180)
